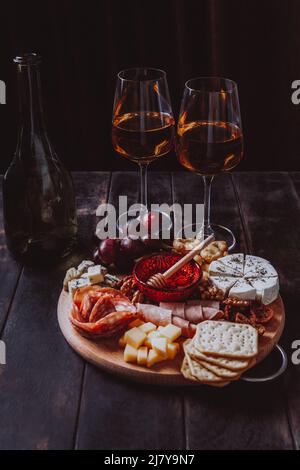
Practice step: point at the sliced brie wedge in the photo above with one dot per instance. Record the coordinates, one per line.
(267, 288)
(218, 268)
(223, 283)
(256, 267)
(242, 290)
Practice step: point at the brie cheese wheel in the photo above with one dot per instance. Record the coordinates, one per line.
(245, 277)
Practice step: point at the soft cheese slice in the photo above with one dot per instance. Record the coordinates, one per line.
(258, 267)
(235, 262)
(242, 290)
(267, 288)
(218, 268)
(223, 283)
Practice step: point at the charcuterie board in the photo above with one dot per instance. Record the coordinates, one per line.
(106, 353)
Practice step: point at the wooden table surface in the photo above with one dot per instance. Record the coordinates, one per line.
(50, 398)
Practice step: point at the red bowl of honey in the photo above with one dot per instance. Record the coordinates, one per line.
(180, 286)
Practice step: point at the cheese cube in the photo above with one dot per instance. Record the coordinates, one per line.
(147, 327)
(171, 332)
(130, 354)
(76, 284)
(95, 274)
(153, 358)
(147, 342)
(136, 322)
(172, 350)
(122, 341)
(142, 356)
(135, 337)
(160, 345)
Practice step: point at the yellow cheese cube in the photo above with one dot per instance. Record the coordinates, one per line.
(154, 334)
(171, 332)
(147, 342)
(136, 322)
(160, 345)
(130, 354)
(153, 358)
(147, 327)
(135, 337)
(172, 350)
(142, 356)
(122, 342)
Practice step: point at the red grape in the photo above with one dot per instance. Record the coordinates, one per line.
(109, 250)
(151, 244)
(132, 248)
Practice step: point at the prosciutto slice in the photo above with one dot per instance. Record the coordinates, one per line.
(183, 324)
(205, 303)
(177, 308)
(211, 313)
(158, 315)
(193, 313)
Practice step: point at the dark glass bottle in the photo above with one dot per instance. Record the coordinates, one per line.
(38, 198)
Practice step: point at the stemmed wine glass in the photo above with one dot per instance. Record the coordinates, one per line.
(143, 122)
(210, 138)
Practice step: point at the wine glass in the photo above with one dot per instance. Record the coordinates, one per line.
(142, 124)
(210, 138)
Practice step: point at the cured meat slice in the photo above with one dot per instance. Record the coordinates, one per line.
(210, 313)
(193, 313)
(159, 316)
(205, 303)
(176, 307)
(107, 304)
(105, 327)
(192, 329)
(183, 324)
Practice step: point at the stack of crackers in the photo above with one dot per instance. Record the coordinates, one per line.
(219, 352)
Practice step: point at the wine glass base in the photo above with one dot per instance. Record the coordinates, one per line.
(223, 233)
(220, 232)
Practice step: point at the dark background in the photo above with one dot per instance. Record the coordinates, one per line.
(85, 43)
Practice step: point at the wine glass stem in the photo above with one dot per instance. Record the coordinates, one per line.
(144, 185)
(207, 230)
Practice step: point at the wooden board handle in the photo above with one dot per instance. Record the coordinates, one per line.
(187, 257)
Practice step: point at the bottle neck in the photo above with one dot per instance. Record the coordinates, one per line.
(30, 99)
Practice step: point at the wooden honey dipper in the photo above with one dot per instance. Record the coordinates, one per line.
(159, 280)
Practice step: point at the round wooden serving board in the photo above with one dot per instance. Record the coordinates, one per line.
(107, 354)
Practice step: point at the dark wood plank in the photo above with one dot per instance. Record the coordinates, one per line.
(41, 383)
(10, 270)
(275, 230)
(241, 416)
(292, 382)
(117, 414)
(271, 210)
